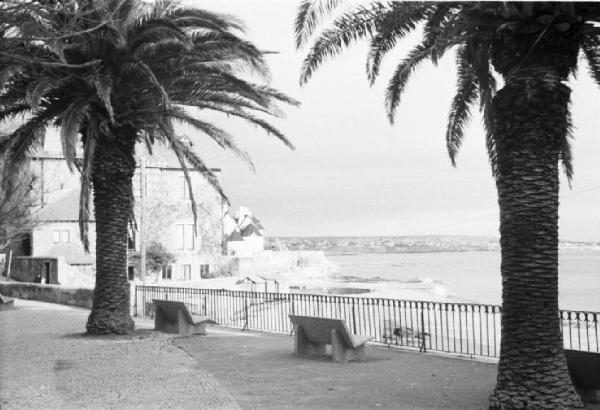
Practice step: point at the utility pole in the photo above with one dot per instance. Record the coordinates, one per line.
(143, 220)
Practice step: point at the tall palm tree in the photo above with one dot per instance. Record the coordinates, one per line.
(110, 74)
(534, 48)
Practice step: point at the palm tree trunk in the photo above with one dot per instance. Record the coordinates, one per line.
(114, 166)
(530, 125)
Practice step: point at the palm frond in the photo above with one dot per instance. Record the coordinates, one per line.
(36, 91)
(309, 16)
(103, 84)
(395, 24)
(150, 30)
(591, 50)
(258, 122)
(401, 76)
(565, 155)
(479, 58)
(438, 16)
(198, 19)
(12, 112)
(86, 188)
(184, 153)
(71, 122)
(466, 94)
(21, 143)
(348, 28)
(221, 137)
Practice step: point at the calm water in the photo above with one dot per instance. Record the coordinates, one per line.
(475, 276)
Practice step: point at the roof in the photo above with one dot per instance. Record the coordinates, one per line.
(235, 236)
(249, 230)
(64, 209)
(257, 223)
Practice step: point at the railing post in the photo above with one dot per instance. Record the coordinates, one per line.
(135, 300)
(423, 347)
(353, 317)
(245, 313)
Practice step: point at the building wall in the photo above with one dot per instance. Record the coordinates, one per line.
(167, 205)
(44, 240)
(30, 269)
(168, 209)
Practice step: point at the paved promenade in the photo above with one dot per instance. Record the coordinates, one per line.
(47, 363)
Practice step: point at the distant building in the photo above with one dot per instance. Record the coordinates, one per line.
(244, 234)
(169, 219)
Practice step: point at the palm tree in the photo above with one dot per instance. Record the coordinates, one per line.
(534, 47)
(114, 73)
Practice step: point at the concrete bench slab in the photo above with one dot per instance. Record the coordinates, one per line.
(174, 317)
(6, 303)
(584, 368)
(313, 334)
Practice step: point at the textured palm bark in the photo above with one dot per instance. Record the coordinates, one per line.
(530, 125)
(114, 166)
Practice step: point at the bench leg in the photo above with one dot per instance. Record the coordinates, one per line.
(199, 329)
(339, 351)
(184, 328)
(342, 353)
(303, 347)
(162, 324)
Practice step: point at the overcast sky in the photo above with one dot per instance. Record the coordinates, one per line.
(354, 174)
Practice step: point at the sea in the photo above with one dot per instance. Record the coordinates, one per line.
(466, 277)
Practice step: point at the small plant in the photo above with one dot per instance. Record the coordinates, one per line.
(157, 256)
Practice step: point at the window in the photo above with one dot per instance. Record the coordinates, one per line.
(130, 272)
(204, 270)
(61, 236)
(185, 236)
(166, 272)
(187, 272)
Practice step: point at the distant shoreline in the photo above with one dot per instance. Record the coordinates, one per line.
(356, 245)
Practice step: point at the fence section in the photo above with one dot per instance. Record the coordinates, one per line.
(462, 328)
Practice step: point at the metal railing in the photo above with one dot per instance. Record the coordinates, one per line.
(462, 328)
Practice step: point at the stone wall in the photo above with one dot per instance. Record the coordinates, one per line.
(28, 269)
(49, 293)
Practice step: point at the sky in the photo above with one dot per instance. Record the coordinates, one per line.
(353, 173)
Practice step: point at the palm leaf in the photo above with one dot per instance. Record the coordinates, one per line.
(86, 188)
(348, 28)
(36, 91)
(310, 13)
(591, 50)
(71, 122)
(221, 137)
(401, 76)
(565, 154)
(21, 143)
(466, 94)
(397, 23)
(103, 85)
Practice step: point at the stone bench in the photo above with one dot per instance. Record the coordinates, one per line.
(584, 368)
(313, 334)
(6, 303)
(174, 317)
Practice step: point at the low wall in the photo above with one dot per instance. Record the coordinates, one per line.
(49, 293)
(281, 261)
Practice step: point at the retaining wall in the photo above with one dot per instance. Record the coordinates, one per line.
(80, 297)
